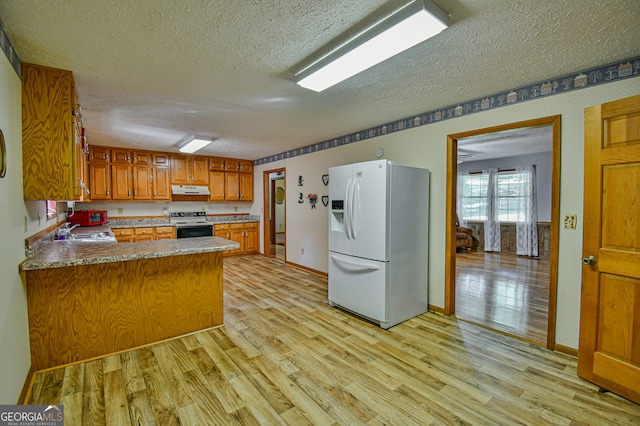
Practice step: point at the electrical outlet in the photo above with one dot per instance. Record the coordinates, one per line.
(25, 224)
(302, 251)
(570, 221)
(120, 210)
(235, 208)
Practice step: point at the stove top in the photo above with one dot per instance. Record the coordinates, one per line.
(189, 219)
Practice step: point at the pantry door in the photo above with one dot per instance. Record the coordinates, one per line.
(609, 351)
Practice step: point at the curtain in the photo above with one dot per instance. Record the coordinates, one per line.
(459, 202)
(491, 225)
(527, 231)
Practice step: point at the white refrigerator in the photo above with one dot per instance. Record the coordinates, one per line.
(378, 235)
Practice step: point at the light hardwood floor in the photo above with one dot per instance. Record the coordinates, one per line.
(504, 292)
(285, 357)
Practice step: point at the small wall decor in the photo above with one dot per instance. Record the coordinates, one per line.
(325, 200)
(325, 180)
(300, 180)
(300, 197)
(312, 200)
(3, 156)
(279, 195)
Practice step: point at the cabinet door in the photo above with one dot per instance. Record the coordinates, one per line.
(216, 164)
(100, 181)
(231, 165)
(160, 159)
(245, 185)
(251, 238)
(222, 232)
(79, 164)
(180, 174)
(142, 182)
(216, 186)
(121, 182)
(123, 235)
(231, 186)
(141, 158)
(161, 185)
(164, 232)
(47, 134)
(143, 234)
(245, 166)
(120, 156)
(237, 235)
(99, 154)
(200, 170)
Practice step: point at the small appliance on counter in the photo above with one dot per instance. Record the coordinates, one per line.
(88, 217)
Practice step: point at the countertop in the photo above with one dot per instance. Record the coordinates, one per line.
(59, 254)
(142, 223)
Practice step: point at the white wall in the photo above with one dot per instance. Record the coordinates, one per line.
(14, 331)
(426, 147)
(543, 162)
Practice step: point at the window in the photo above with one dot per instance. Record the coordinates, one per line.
(512, 194)
(474, 196)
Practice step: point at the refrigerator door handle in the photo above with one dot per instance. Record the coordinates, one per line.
(370, 266)
(355, 194)
(348, 209)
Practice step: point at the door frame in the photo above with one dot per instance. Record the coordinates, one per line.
(451, 188)
(267, 201)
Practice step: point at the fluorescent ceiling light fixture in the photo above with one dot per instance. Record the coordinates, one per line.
(194, 144)
(414, 23)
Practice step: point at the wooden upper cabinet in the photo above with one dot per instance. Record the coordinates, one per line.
(160, 159)
(187, 170)
(216, 164)
(161, 184)
(120, 156)
(48, 135)
(100, 181)
(245, 166)
(121, 184)
(142, 182)
(99, 154)
(216, 185)
(231, 186)
(245, 184)
(142, 158)
(231, 165)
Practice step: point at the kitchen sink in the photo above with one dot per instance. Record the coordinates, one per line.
(91, 237)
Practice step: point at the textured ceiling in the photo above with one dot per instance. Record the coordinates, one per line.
(150, 72)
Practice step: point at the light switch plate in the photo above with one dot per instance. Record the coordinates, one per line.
(570, 221)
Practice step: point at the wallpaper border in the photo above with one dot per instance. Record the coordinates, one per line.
(10, 51)
(609, 73)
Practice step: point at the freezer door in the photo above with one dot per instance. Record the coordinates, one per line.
(370, 210)
(358, 285)
(339, 186)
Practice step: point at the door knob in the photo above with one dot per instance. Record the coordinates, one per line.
(589, 260)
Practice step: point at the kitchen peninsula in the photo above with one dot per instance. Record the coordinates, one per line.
(89, 299)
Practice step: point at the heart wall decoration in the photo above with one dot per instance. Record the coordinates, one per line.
(325, 180)
(325, 200)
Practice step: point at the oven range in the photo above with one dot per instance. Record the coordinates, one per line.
(191, 224)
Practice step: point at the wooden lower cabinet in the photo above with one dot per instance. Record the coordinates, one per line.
(136, 235)
(245, 234)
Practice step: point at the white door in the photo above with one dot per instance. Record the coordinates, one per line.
(370, 210)
(358, 285)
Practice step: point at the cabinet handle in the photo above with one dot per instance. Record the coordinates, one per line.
(107, 192)
(223, 195)
(135, 193)
(135, 159)
(128, 193)
(154, 193)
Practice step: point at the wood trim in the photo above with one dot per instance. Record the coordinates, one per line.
(450, 237)
(436, 309)
(554, 243)
(266, 231)
(25, 394)
(306, 268)
(452, 144)
(566, 350)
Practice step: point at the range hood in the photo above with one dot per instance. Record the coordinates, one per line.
(189, 190)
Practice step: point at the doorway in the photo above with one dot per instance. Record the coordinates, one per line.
(488, 269)
(275, 229)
